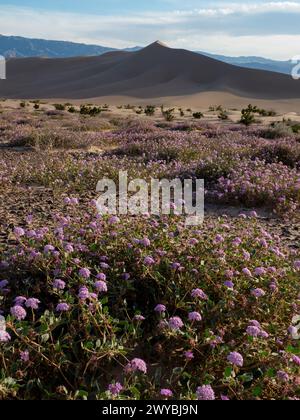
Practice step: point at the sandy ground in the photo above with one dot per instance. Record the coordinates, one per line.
(201, 102)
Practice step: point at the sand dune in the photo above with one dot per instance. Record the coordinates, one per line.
(153, 72)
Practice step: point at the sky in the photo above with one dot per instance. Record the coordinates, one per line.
(262, 28)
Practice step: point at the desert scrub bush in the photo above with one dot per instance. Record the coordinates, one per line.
(223, 115)
(168, 114)
(149, 110)
(91, 111)
(198, 115)
(277, 130)
(248, 115)
(151, 305)
(72, 110)
(59, 107)
(22, 104)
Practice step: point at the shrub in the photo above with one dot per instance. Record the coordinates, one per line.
(198, 115)
(90, 110)
(59, 107)
(278, 130)
(223, 115)
(149, 110)
(168, 114)
(248, 116)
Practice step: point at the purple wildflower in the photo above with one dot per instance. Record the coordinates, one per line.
(18, 312)
(167, 393)
(205, 393)
(83, 293)
(253, 331)
(101, 286)
(4, 336)
(175, 323)
(247, 272)
(62, 307)
(236, 359)
(258, 293)
(160, 308)
(85, 273)
(20, 300)
(149, 261)
(229, 284)
(18, 231)
(24, 356)
(189, 355)
(296, 360)
(283, 376)
(115, 389)
(101, 276)
(198, 293)
(139, 318)
(59, 284)
(136, 365)
(32, 303)
(195, 316)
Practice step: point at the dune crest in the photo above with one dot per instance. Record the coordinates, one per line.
(153, 72)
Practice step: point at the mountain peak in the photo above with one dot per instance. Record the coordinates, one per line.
(158, 44)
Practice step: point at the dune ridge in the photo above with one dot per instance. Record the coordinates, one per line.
(153, 72)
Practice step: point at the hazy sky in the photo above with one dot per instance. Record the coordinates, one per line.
(267, 28)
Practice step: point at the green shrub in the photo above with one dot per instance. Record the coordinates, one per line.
(198, 115)
(168, 114)
(89, 110)
(149, 110)
(59, 107)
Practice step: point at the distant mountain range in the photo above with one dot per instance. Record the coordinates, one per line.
(20, 47)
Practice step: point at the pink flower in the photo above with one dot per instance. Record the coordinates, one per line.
(139, 318)
(18, 312)
(167, 393)
(4, 336)
(175, 323)
(195, 316)
(205, 393)
(297, 265)
(24, 356)
(48, 249)
(145, 242)
(101, 276)
(253, 331)
(85, 273)
(247, 272)
(189, 355)
(62, 307)
(198, 293)
(84, 293)
(18, 231)
(160, 308)
(32, 303)
(296, 360)
(258, 293)
(115, 389)
(101, 286)
(136, 365)
(59, 284)
(149, 261)
(260, 271)
(236, 359)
